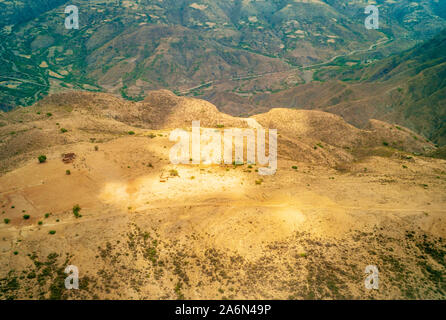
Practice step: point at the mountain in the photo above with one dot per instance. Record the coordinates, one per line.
(406, 88)
(131, 47)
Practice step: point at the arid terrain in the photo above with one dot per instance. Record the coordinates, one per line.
(108, 200)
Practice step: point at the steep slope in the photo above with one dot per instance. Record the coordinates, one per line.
(407, 89)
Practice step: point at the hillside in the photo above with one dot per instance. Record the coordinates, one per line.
(132, 47)
(108, 201)
(407, 89)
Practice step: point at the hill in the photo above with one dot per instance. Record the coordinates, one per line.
(108, 201)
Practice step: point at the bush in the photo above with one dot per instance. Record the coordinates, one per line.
(42, 159)
(76, 211)
(131, 133)
(52, 232)
(173, 173)
(63, 130)
(68, 172)
(6, 221)
(294, 167)
(26, 216)
(386, 144)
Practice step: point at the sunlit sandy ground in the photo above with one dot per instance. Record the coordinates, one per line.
(213, 232)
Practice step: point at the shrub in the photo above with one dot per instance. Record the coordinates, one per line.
(259, 181)
(52, 232)
(294, 167)
(76, 211)
(68, 172)
(131, 133)
(96, 148)
(6, 221)
(26, 216)
(42, 159)
(47, 215)
(40, 223)
(63, 130)
(386, 144)
(49, 114)
(173, 173)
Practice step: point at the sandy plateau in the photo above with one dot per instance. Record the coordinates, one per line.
(342, 199)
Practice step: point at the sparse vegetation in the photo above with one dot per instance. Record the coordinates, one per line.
(42, 159)
(63, 130)
(76, 211)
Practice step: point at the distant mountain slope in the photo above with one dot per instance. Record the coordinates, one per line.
(413, 87)
(18, 11)
(131, 47)
(408, 89)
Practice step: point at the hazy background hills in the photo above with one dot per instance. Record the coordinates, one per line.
(244, 56)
